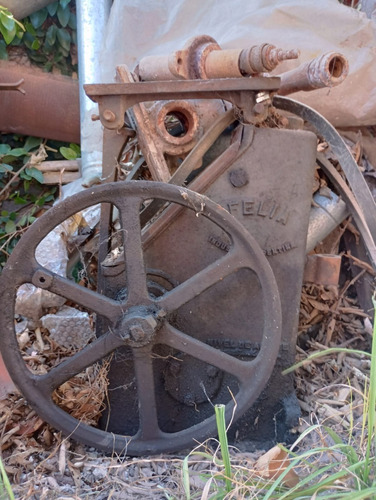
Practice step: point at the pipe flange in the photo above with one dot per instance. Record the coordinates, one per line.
(177, 125)
(189, 63)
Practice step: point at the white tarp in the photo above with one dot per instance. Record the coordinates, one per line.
(144, 27)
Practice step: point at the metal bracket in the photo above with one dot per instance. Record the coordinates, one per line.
(115, 98)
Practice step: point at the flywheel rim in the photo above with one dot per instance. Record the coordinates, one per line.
(22, 267)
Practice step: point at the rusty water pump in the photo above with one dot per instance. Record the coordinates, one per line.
(197, 290)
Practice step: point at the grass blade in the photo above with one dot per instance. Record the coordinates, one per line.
(185, 474)
(371, 398)
(4, 481)
(222, 435)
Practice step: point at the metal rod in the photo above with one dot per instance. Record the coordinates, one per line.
(327, 213)
(92, 16)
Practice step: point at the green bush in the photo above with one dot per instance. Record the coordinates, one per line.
(49, 36)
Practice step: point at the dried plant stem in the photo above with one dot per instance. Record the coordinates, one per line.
(14, 177)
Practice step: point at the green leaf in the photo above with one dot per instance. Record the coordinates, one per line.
(36, 44)
(63, 14)
(37, 18)
(25, 176)
(3, 50)
(51, 34)
(22, 221)
(38, 57)
(76, 148)
(72, 21)
(17, 152)
(18, 200)
(10, 227)
(4, 167)
(35, 174)
(30, 28)
(4, 149)
(7, 21)
(52, 8)
(64, 38)
(32, 143)
(28, 40)
(48, 66)
(68, 153)
(17, 39)
(64, 3)
(8, 34)
(64, 52)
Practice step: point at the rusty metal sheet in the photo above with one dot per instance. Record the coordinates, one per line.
(322, 269)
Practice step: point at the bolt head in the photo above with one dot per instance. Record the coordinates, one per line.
(136, 332)
(258, 108)
(109, 115)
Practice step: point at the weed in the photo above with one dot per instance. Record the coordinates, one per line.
(337, 468)
(5, 487)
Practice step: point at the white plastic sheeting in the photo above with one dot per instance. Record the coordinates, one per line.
(137, 28)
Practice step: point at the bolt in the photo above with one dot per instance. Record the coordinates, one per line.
(137, 333)
(263, 58)
(258, 109)
(42, 279)
(95, 118)
(262, 96)
(109, 115)
(238, 177)
(277, 55)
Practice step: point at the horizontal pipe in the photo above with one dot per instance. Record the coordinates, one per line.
(327, 213)
(327, 70)
(48, 106)
(23, 8)
(202, 58)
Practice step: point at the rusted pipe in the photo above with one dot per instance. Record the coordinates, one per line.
(230, 63)
(327, 70)
(328, 212)
(203, 58)
(49, 107)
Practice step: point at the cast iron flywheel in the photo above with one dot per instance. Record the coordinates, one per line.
(138, 319)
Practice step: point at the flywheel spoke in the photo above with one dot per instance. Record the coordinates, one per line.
(68, 368)
(85, 297)
(173, 337)
(147, 405)
(129, 209)
(203, 280)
